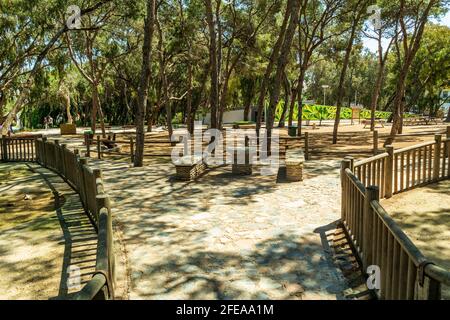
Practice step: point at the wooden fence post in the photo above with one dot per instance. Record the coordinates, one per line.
(82, 191)
(372, 193)
(437, 156)
(132, 149)
(44, 154)
(352, 162)
(389, 172)
(87, 142)
(447, 145)
(99, 148)
(426, 287)
(4, 149)
(345, 164)
(63, 161)
(307, 156)
(375, 142)
(56, 159)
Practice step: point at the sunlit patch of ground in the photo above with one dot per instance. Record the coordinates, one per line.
(424, 215)
(39, 242)
(31, 242)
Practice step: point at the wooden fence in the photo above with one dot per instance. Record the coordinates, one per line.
(375, 236)
(89, 185)
(19, 148)
(396, 171)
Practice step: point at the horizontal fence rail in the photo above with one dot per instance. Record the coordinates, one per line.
(88, 183)
(396, 171)
(375, 237)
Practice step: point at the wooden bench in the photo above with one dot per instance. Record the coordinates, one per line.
(294, 165)
(380, 122)
(189, 168)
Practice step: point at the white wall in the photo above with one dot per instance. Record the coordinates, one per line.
(228, 117)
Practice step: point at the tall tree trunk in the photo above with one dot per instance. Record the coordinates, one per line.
(287, 94)
(378, 83)
(213, 60)
(144, 83)
(248, 99)
(300, 96)
(348, 52)
(273, 58)
(281, 66)
(2, 104)
(66, 98)
(189, 114)
(292, 106)
(149, 115)
(97, 110)
(410, 47)
(163, 77)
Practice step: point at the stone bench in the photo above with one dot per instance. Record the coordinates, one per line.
(294, 165)
(189, 168)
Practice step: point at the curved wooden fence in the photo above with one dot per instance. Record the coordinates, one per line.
(376, 238)
(88, 183)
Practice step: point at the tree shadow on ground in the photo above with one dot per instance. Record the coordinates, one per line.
(284, 267)
(80, 237)
(36, 248)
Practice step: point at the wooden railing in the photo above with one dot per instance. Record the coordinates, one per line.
(18, 148)
(396, 171)
(89, 185)
(376, 238)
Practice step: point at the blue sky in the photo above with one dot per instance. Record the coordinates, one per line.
(372, 44)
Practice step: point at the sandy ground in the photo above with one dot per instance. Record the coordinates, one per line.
(46, 252)
(424, 215)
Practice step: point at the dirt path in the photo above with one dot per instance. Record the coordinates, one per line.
(41, 243)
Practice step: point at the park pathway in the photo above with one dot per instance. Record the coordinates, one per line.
(223, 237)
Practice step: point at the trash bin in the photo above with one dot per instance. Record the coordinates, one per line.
(292, 131)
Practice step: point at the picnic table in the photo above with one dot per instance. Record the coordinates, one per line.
(423, 120)
(380, 122)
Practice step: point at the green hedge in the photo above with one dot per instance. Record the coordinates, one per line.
(318, 112)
